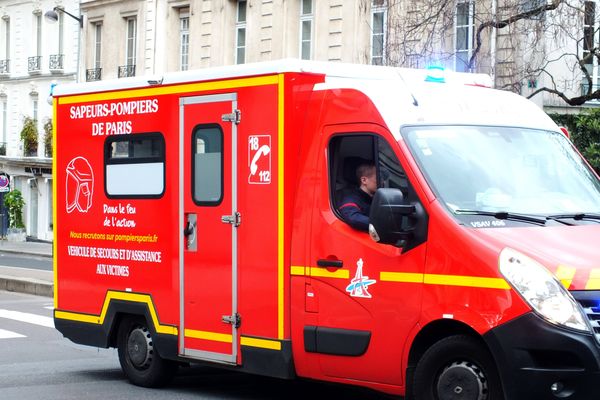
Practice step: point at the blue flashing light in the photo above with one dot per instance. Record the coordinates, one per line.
(435, 74)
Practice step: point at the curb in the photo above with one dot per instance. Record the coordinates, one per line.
(24, 285)
(26, 253)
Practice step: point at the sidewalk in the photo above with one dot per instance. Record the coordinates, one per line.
(25, 280)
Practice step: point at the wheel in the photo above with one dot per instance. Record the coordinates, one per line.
(457, 368)
(139, 360)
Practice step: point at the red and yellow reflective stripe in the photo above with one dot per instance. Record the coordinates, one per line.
(410, 277)
(593, 282)
(263, 343)
(565, 274)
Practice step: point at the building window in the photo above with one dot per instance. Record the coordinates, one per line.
(306, 29)
(463, 34)
(589, 43)
(50, 210)
(35, 109)
(131, 41)
(4, 116)
(128, 69)
(6, 32)
(34, 63)
(240, 35)
(378, 28)
(57, 59)
(61, 29)
(98, 45)
(184, 39)
(38, 27)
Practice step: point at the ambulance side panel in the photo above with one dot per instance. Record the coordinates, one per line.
(117, 235)
(121, 254)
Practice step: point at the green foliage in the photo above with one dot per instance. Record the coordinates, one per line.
(48, 137)
(585, 133)
(14, 202)
(29, 136)
(592, 154)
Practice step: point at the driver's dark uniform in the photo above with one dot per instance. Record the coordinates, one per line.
(355, 209)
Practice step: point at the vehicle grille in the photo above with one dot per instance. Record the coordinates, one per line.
(590, 303)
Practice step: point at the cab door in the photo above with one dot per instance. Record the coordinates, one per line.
(363, 318)
(208, 226)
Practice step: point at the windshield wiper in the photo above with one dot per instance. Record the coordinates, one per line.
(575, 216)
(504, 215)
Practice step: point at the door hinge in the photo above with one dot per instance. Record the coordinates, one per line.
(235, 219)
(235, 117)
(234, 320)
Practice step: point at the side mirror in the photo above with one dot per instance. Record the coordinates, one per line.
(389, 218)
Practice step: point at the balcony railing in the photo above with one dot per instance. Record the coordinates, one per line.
(126, 71)
(585, 86)
(34, 64)
(4, 66)
(56, 62)
(94, 74)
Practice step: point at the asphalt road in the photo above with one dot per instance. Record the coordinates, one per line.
(25, 261)
(36, 362)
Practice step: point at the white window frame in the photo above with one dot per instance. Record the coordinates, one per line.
(306, 18)
(470, 26)
(98, 45)
(130, 40)
(240, 27)
(378, 8)
(184, 39)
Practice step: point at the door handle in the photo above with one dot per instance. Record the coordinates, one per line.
(189, 229)
(190, 232)
(330, 263)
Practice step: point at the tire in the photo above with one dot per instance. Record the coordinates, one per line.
(457, 368)
(139, 360)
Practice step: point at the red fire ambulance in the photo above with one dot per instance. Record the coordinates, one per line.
(197, 219)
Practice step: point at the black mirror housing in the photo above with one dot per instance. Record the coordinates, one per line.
(390, 218)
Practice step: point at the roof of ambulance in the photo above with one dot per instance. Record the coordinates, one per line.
(401, 95)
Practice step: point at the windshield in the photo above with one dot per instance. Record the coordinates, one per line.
(504, 169)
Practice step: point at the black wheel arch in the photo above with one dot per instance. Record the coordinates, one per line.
(105, 335)
(430, 334)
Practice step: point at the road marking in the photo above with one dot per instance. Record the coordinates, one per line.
(28, 318)
(4, 334)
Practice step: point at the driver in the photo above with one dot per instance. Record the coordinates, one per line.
(357, 203)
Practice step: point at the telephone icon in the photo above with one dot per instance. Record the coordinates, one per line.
(262, 151)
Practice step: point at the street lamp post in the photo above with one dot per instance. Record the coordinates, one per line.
(52, 16)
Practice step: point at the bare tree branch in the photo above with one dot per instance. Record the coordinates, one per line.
(508, 21)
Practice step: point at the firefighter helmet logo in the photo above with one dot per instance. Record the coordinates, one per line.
(80, 185)
(359, 285)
